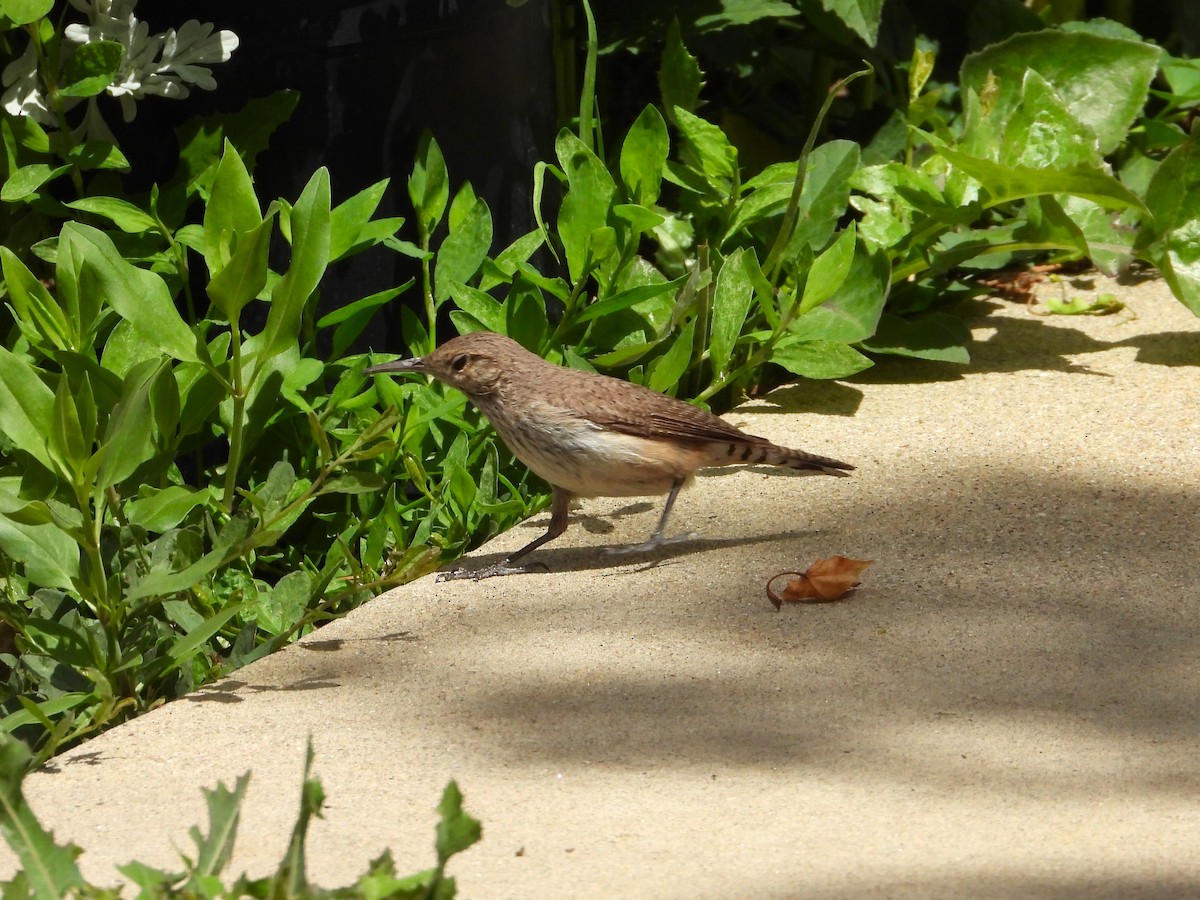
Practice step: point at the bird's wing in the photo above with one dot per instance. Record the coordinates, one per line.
(633, 409)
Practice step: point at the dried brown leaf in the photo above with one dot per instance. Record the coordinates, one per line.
(824, 581)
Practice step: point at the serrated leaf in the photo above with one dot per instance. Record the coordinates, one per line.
(679, 76)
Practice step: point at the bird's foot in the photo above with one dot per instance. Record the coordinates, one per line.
(656, 541)
(492, 571)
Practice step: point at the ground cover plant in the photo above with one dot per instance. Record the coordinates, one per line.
(193, 469)
(49, 870)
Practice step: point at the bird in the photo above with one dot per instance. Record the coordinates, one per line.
(590, 435)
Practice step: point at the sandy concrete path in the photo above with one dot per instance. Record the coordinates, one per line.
(1008, 707)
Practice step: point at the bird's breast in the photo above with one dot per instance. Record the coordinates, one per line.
(587, 459)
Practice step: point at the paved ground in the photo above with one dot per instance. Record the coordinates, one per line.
(1007, 707)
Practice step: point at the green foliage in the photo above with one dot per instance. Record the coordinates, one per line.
(49, 871)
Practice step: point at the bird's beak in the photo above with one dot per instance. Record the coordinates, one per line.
(416, 364)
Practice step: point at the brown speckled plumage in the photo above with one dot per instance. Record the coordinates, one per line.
(592, 435)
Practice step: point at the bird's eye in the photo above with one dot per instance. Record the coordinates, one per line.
(459, 362)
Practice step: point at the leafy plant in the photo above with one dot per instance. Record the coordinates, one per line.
(49, 871)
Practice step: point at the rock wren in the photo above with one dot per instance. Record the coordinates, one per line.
(591, 435)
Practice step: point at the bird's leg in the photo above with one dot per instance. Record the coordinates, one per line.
(558, 524)
(659, 538)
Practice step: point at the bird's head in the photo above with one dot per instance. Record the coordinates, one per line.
(475, 363)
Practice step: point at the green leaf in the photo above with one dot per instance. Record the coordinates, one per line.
(504, 266)
(26, 406)
(935, 336)
(1169, 240)
(467, 244)
(481, 306)
(826, 194)
(630, 297)
(828, 272)
(679, 76)
(643, 155)
(850, 316)
(28, 180)
(22, 12)
(50, 556)
(429, 185)
(34, 306)
(138, 296)
(164, 509)
(66, 435)
(731, 302)
(287, 601)
(49, 868)
(291, 880)
(818, 359)
(457, 830)
(232, 209)
(1004, 184)
(91, 68)
(744, 12)
(639, 218)
(586, 206)
(667, 370)
(129, 218)
(860, 16)
(711, 149)
(129, 438)
(244, 276)
(213, 850)
(349, 218)
(1103, 81)
(310, 255)
(351, 319)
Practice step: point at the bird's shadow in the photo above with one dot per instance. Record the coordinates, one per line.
(584, 559)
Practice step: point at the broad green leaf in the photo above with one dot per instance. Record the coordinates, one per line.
(166, 508)
(22, 12)
(310, 255)
(50, 555)
(429, 185)
(624, 299)
(34, 306)
(712, 152)
(138, 296)
(285, 605)
(350, 320)
(502, 268)
(935, 336)
(743, 12)
(1043, 133)
(66, 435)
(348, 219)
(481, 306)
(639, 218)
(456, 831)
(129, 218)
(826, 194)
(91, 68)
(129, 438)
(26, 407)
(467, 244)
(852, 315)
(28, 180)
(732, 299)
(679, 76)
(667, 370)
(214, 849)
(586, 206)
(244, 276)
(818, 359)
(232, 209)
(525, 319)
(1003, 184)
(48, 867)
(860, 16)
(98, 155)
(643, 155)
(1103, 81)
(828, 271)
(1171, 240)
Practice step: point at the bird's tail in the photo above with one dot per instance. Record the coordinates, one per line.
(810, 463)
